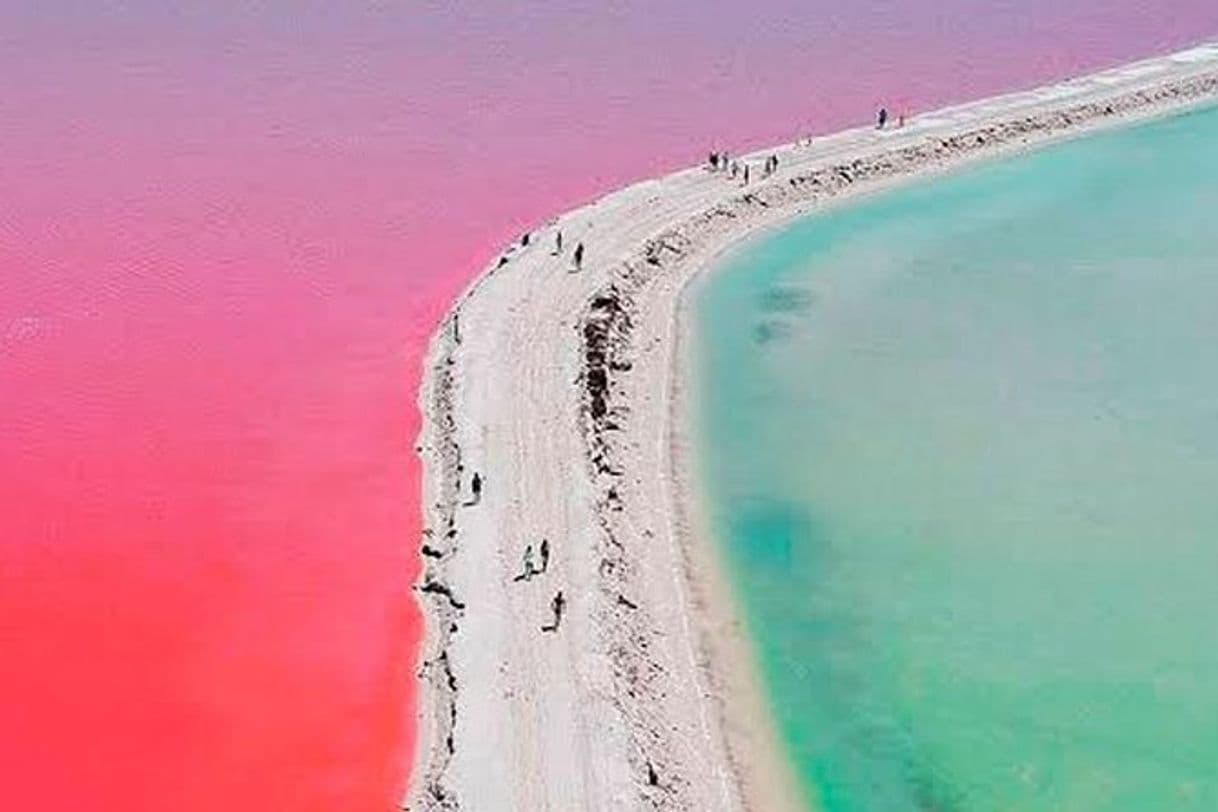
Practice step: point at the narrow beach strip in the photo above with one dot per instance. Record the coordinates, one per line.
(606, 669)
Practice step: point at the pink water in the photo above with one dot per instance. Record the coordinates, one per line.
(224, 237)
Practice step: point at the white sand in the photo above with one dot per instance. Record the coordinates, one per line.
(646, 696)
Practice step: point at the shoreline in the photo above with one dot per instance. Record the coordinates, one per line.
(566, 392)
(754, 749)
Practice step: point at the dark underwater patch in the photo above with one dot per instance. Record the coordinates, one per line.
(771, 330)
(787, 299)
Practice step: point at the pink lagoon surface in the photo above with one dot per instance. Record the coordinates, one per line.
(225, 234)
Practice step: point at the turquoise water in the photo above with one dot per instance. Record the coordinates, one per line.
(960, 443)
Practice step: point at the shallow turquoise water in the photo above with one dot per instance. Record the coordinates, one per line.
(960, 443)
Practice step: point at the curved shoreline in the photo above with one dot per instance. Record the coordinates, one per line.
(565, 393)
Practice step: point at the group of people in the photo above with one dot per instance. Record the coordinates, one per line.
(531, 567)
(882, 117)
(579, 251)
(527, 237)
(719, 161)
(723, 162)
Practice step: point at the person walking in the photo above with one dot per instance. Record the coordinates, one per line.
(579, 257)
(528, 570)
(881, 118)
(556, 606)
(545, 554)
(558, 243)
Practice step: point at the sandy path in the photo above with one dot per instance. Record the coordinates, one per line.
(644, 697)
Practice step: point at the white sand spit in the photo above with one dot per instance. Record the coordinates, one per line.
(557, 389)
